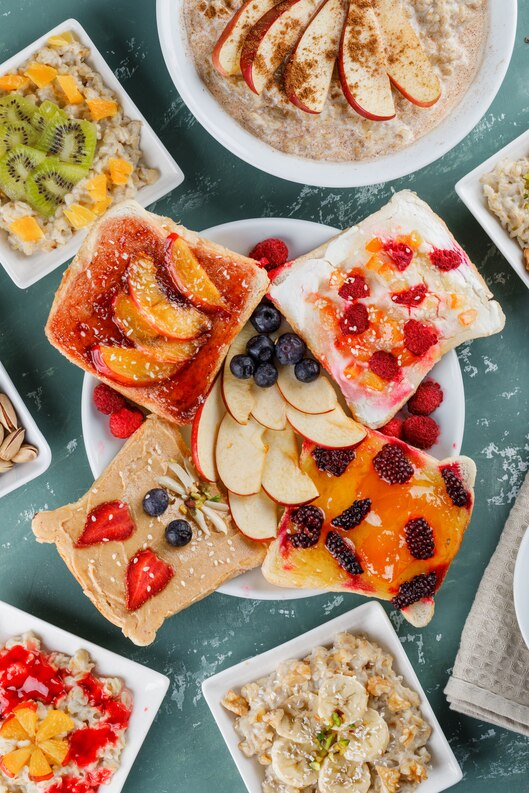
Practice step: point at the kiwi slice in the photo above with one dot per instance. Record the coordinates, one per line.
(72, 141)
(47, 185)
(46, 113)
(12, 135)
(15, 108)
(15, 166)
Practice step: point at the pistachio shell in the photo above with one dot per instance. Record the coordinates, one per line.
(12, 443)
(5, 465)
(2, 432)
(26, 453)
(8, 416)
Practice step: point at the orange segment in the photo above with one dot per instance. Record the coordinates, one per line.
(55, 723)
(119, 170)
(61, 39)
(189, 276)
(97, 187)
(39, 768)
(55, 750)
(13, 762)
(70, 88)
(12, 730)
(27, 229)
(101, 206)
(40, 73)
(79, 216)
(130, 366)
(13, 82)
(27, 717)
(375, 245)
(102, 108)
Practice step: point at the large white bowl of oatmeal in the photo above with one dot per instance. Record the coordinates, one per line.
(336, 709)
(469, 44)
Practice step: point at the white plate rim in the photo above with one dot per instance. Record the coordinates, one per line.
(370, 618)
(39, 265)
(521, 587)
(265, 227)
(498, 48)
(148, 686)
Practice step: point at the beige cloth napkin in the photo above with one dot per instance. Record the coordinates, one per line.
(490, 679)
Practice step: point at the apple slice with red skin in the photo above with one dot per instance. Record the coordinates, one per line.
(240, 455)
(226, 55)
(132, 324)
(409, 67)
(239, 395)
(255, 516)
(189, 276)
(269, 408)
(271, 38)
(309, 70)
(316, 397)
(283, 480)
(205, 430)
(129, 366)
(334, 430)
(175, 320)
(363, 66)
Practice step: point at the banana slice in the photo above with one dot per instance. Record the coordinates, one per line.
(291, 763)
(342, 694)
(339, 775)
(298, 722)
(369, 739)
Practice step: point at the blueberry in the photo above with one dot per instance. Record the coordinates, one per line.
(307, 370)
(155, 502)
(261, 348)
(266, 318)
(290, 348)
(178, 533)
(242, 367)
(265, 375)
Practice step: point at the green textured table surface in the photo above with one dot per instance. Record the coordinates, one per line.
(184, 750)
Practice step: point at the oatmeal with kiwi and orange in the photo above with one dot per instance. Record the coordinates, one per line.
(340, 719)
(334, 80)
(67, 149)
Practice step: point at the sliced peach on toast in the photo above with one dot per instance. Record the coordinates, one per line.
(189, 276)
(129, 366)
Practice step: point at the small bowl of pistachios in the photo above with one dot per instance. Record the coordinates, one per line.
(24, 452)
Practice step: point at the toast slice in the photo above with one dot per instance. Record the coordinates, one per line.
(381, 303)
(103, 562)
(119, 314)
(388, 522)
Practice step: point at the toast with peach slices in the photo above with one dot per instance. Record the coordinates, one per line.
(381, 303)
(388, 522)
(150, 308)
(120, 554)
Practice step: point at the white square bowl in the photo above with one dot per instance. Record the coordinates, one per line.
(369, 619)
(470, 191)
(23, 473)
(27, 270)
(147, 686)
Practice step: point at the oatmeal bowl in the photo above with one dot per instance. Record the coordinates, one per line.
(337, 94)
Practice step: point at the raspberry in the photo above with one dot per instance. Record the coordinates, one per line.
(400, 254)
(123, 423)
(418, 337)
(421, 431)
(445, 260)
(392, 465)
(354, 287)
(421, 586)
(274, 251)
(410, 297)
(385, 365)
(309, 521)
(353, 515)
(333, 461)
(455, 488)
(343, 551)
(426, 399)
(419, 538)
(393, 428)
(107, 400)
(355, 319)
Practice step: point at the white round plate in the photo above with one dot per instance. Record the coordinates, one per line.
(300, 236)
(521, 587)
(496, 57)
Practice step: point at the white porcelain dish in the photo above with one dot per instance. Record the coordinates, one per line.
(301, 236)
(147, 686)
(27, 270)
(23, 473)
(497, 54)
(369, 619)
(470, 191)
(521, 587)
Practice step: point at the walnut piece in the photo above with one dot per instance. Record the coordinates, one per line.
(235, 703)
(526, 257)
(396, 703)
(376, 686)
(389, 778)
(413, 771)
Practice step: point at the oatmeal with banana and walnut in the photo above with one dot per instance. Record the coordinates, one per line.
(451, 32)
(339, 720)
